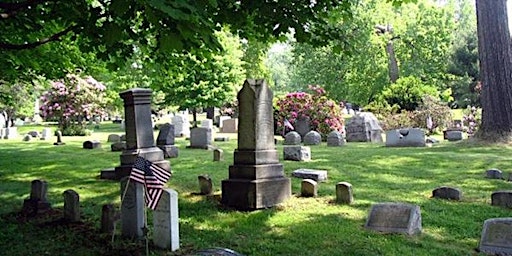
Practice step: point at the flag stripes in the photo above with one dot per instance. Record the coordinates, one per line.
(153, 177)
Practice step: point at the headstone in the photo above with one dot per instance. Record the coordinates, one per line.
(59, 139)
(316, 175)
(166, 233)
(71, 206)
(113, 138)
(170, 151)
(309, 188)
(118, 146)
(222, 138)
(37, 202)
(218, 155)
(509, 176)
(344, 193)
(122, 124)
(221, 120)
(200, 138)
(27, 137)
(302, 126)
(165, 135)
(34, 134)
(494, 174)
(109, 217)
(217, 252)
(132, 209)
(496, 237)
(207, 123)
(46, 133)
(91, 144)
(363, 127)
(2, 122)
(335, 139)
(181, 125)
(292, 138)
(409, 137)
(447, 193)
(502, 198)
(454, 135)
(205, 184)
(256, 179)
(3, 131)
(11, 133)
(230, 125)
(312, 138)
(297, 153)
(395, 218)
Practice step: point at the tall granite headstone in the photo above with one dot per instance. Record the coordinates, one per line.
(256, 179)
(132, 209)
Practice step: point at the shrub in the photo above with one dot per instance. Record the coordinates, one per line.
(407, 93)
(324, 114)
(471, 120)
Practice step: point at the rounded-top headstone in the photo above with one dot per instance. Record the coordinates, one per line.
(494, 174)
(335, 139)
(447, 193)
(312, 138)
(292, 138)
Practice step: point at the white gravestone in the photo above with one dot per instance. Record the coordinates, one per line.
(165, 221)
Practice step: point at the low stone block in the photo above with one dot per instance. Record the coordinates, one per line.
(309, 188)
(496, 237)
(411, 137)
(447, 193)
(118, 146)
(297, 153)
(91, 144)
(502, 198)
(316, 175)
(335, 139)
(494, 174)
(454, 135)
(395, 218)
(221, 139)
(114, 138)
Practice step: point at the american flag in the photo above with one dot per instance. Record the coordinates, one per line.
(153, 177)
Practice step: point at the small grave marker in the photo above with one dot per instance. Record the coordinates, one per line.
(502, 198)
(297, 153)
(71, 206)
(109, 217)
(309, 188)
(37, 202)
(496, 237)
(316, 175)
(312, 138)
(91, 144)
(447, 193)
(292, 138)
(494, 174)
(344, 193)
(205, 184)
(218, 155)
(165, 221)
(59, 139)
(395, 218)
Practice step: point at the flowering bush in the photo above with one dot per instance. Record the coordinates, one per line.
(471, 120)
(72, 101)
(324, 114)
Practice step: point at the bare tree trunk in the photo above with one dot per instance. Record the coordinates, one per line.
(392, 63)
(495, 69)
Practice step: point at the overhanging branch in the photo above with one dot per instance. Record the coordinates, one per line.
(54, 37)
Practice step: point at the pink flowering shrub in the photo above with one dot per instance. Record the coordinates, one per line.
(72, 101)
(324, 114)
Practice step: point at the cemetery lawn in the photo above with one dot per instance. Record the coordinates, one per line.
(299, 226)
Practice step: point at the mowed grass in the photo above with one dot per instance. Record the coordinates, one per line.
(299, 226)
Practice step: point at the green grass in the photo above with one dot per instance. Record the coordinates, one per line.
(300, 226)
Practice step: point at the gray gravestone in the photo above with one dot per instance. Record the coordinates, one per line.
(91, 144)
(292, 138)
(166, 221)
(496, 237)
(165, 135)
(207, 123)
(200, 138)
(205, 184)
(309, 188)
(312, 138)
(37, 202)
(59, 139)
(502, 198)
(34, 134)
(118, 146)
(218, 155)
(447, 193)
(297, 153)
(494, 174)
(344, 193)
(113, 138)
(410, 137)
(256, 179)
(363, 127)
(302, 126)
(109, 217)
(395, 218)
(317, 175)
(335, 139)
(454, 135)
(132, 208)
(71, 206)
(181, 125)
(230, 125)
(27, 137)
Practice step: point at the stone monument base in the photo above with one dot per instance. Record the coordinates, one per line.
(32, 207)
(243, 194)
(170, 151)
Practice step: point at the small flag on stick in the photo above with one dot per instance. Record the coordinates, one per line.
(288, 124)
(153, 177)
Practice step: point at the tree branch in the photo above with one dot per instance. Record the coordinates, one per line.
(54, 37)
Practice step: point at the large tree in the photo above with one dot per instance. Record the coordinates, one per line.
(495, 69)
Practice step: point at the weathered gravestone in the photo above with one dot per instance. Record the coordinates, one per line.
(59, 139)
(447, 193)
(302, 125)
(165, 141)
(408, 137)
(292, 138)
(37, 202)
(181, 125)
(207, 123)
(494, 174)
(46, 133)
(205, 184)
(200, 137)
(220, 121)
(109, 216)
(502, 198)
(454, 135)
(217, 252)
(256, 179)
(218, 155)
(11, 133)
(297, 153)
(309, 188)
(496, 237)
(71, 205)
(316, 175)
(132, 209)
(165, 221)
(344, 193)
(113, 138)
(363, 127)
(230, 125)
(395, 218)
(27, 137)
(335, 139)
(312, 138)
(118, 146)
(91, 144)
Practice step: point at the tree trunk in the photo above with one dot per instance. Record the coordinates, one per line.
(392, 63)
(495, 69)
